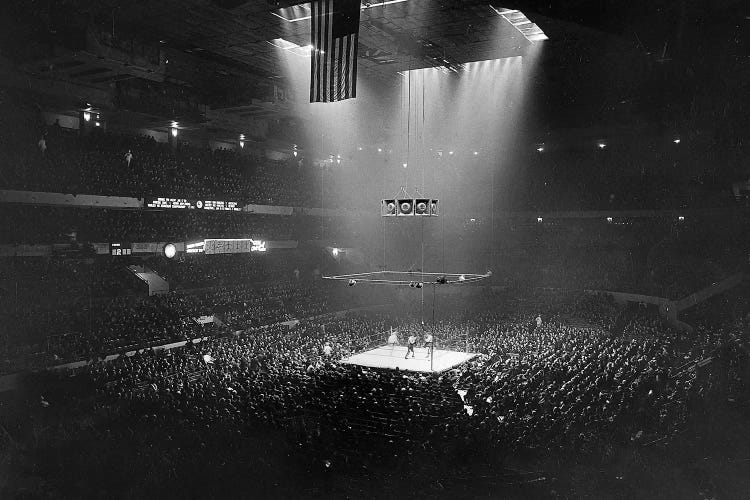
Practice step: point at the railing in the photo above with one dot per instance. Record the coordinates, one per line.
(369, 342)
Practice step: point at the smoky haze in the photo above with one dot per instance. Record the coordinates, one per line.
(433, 132)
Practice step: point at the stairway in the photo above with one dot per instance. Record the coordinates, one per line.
(708, 292)
(155, 283)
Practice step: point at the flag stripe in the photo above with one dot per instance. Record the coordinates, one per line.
(354, 64)
(319, 69)
(316, 58)
(337, 67)
(349, 53)
(340, 67)
(348, 67)
(332, 66)
(315, 55)
(326, 48)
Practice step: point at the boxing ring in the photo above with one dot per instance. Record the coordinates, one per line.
(392, 357)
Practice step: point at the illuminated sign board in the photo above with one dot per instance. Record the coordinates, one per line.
(185, 203)
(195, 247)
(168, 203)
(241, 245)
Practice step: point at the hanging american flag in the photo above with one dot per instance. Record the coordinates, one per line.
(335, 35)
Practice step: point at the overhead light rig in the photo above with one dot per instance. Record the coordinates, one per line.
(412, 279)
(407, 205)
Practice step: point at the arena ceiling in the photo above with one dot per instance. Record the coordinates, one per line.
(224, 49)
(394, 35)
(402, 34)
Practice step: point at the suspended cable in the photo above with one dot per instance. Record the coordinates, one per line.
(382, 220)
(492, 218)
(408, 128)
(424, 190)
(322, 201)
(421, 278)
(442, 217)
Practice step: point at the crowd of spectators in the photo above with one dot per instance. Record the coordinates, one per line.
(32, 283)
(30, 224)
(553, 388)
(636, 175)
(558, 386)
(201, 271)
(121, 165)
(646, 257)
(663, 257)
(633, 175)
(586, 379)
(48, 158)
(92, 326)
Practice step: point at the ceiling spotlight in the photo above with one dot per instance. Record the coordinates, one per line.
(335, 252)
(450, 152)
(404, 165)
(609, 219)
(352, 282)
(539, 219)
(540, 148)
(294, 152)
(677, 140)
(380, 150)
(602, 145)
(360, 148)
(476, 153)
(680, 218)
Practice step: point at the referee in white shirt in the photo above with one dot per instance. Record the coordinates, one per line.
(393, 339)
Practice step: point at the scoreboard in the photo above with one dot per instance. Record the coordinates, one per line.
(189, 203)
(227, 245)
(240, 245)
(119, 249)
